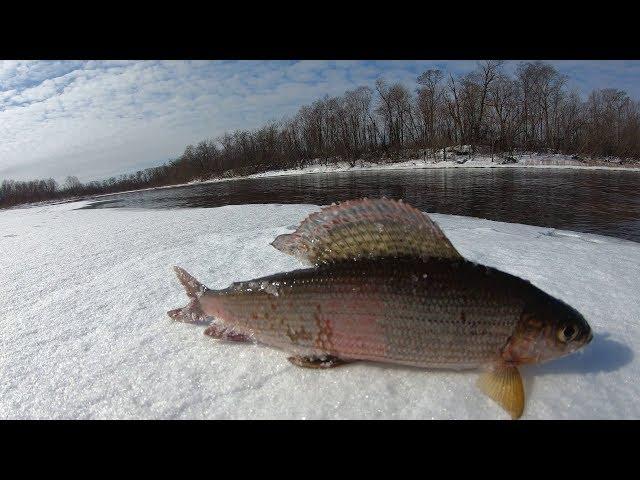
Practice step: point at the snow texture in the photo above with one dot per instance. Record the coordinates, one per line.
(84, 331)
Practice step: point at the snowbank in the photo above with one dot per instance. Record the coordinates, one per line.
(84, 334)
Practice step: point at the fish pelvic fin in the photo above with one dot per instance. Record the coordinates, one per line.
(192, 312)
(366, 228)
(503, 384)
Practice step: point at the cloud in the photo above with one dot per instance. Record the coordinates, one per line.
(95, 119)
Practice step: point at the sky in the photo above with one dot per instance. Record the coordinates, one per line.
(96, 119)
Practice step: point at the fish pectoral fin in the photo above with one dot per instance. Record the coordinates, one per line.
(221, 332)
(326, 361)
(503, 384)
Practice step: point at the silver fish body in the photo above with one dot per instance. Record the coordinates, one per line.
(428, 313)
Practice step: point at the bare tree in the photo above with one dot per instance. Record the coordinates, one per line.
(429, 100)
(530, 110)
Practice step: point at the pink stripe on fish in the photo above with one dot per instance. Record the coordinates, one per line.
(353, 326)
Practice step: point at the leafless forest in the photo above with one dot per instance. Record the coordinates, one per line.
(532, 110)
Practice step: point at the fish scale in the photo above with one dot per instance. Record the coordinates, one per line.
(429, 313)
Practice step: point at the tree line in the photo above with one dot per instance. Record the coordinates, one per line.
(487, 109)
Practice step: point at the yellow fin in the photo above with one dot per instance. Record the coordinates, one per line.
(366, 228)
(503, 385)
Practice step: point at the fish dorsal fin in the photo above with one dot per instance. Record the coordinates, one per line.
(367, 228)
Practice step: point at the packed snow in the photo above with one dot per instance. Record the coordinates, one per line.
(84, 333)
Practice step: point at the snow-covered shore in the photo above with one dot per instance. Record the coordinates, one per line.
(535, 161)
(84, 334)
(543, 162)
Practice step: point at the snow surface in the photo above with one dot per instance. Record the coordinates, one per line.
(84, 334)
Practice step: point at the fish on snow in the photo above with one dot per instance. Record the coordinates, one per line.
(386, 285)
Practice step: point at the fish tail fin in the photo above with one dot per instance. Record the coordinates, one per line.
(192, 286)
(192, 312)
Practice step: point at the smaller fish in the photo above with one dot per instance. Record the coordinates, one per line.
(386, 285)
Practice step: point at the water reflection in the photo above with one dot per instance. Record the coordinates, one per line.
(592, 201)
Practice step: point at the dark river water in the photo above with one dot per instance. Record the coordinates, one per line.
(593, 201)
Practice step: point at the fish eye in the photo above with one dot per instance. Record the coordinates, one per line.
(568, 333)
